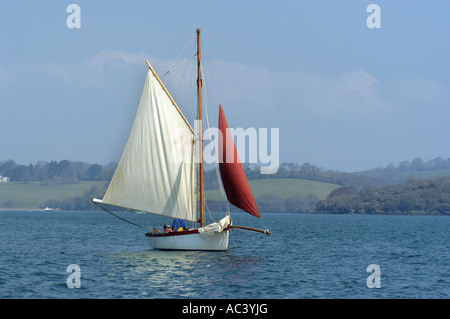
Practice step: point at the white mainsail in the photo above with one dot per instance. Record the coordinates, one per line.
(157, 170)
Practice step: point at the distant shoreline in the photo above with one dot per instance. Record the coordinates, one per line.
(263, 213)
(19, 209)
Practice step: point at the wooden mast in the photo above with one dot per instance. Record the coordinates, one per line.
(200, 129)
(200, 137)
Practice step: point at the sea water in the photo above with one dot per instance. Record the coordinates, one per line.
(92, 254)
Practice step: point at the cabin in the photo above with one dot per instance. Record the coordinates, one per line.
(4, 179)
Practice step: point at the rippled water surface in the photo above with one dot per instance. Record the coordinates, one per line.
(307, 256)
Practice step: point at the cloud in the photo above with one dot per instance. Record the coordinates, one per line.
(421, 91)
(86, 72)
(97, 98)
(54, 104)
(355, 93)
(92, 70)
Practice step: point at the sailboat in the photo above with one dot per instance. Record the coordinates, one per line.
(157, 172)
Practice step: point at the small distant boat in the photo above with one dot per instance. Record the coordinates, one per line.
(137, 212)
(157, 172)
(47, 209)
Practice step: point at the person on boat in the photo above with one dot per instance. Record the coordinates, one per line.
(167, 228)
(178, 224)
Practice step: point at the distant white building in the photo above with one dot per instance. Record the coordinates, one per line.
(4, 179)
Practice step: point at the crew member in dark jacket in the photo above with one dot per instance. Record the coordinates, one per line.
(178, 225)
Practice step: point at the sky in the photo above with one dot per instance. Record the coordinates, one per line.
(343, 95)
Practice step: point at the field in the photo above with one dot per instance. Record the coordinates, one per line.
(32, 195)
(283, 188)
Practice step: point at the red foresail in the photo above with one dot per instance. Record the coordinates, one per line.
(233, 176)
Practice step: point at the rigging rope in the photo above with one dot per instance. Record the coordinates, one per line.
(183, 78)
(221, 188)
(216, 167)
(125, 220)
(171, 67)
(222, 191)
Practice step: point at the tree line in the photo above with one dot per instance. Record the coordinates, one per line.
(392, 174)
(67, 171)
(304, 171)
(83, 202)
(393, 189)
(380, 176)
(389, 190)
(412, 197)
(270, 203)
(53, 172)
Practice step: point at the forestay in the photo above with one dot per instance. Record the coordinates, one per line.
(157, 171)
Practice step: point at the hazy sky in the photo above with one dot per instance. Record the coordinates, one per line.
(344, 96)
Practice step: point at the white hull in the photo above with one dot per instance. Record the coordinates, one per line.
(189, 240)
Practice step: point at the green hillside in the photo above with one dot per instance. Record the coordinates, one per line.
(33, 195)
(431, 173)
(413, 197)
(283, 188)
